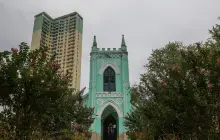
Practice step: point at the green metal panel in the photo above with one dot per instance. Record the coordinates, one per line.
(79, 24)
(38, 23)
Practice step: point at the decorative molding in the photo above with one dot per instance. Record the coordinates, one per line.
(99, 101)
(109, 64)
(124, 56)
(119, 100)
(109, 55)
(106, 104)
(109, 94)
(103, 62)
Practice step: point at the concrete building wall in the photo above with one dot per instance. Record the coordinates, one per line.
(63, 37)
(36, 37)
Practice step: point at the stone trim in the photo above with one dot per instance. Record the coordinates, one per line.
(106, 104)
(112, 65)
(109, 94)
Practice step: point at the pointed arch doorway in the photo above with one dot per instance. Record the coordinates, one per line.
(110, 127)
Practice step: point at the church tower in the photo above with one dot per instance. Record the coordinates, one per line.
(109, 91)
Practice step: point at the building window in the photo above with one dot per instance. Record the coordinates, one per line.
(109, 80)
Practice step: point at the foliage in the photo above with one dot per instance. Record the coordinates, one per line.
(179, 92)
(36, 97)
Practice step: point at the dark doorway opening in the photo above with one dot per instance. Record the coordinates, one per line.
(110, 128)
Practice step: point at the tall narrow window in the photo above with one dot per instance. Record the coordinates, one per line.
(109, 80)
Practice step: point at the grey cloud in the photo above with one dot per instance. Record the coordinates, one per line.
(146, 24)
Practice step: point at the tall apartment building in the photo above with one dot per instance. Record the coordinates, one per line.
(63, 37)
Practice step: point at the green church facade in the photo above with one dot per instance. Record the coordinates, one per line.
(109, 91)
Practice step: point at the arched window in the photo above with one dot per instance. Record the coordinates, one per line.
(109, 80)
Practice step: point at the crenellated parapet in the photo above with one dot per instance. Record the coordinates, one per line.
(123, 47)
(107, 50)
(109, 53)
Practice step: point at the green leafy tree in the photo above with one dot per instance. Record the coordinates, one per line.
(36, 97)
(178, 93)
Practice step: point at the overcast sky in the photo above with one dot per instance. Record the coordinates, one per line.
(146, 24)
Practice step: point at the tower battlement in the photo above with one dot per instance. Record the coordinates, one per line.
(123, 47)
(107, 50)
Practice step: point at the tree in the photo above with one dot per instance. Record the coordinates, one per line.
(35, 95)
(178, 93)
